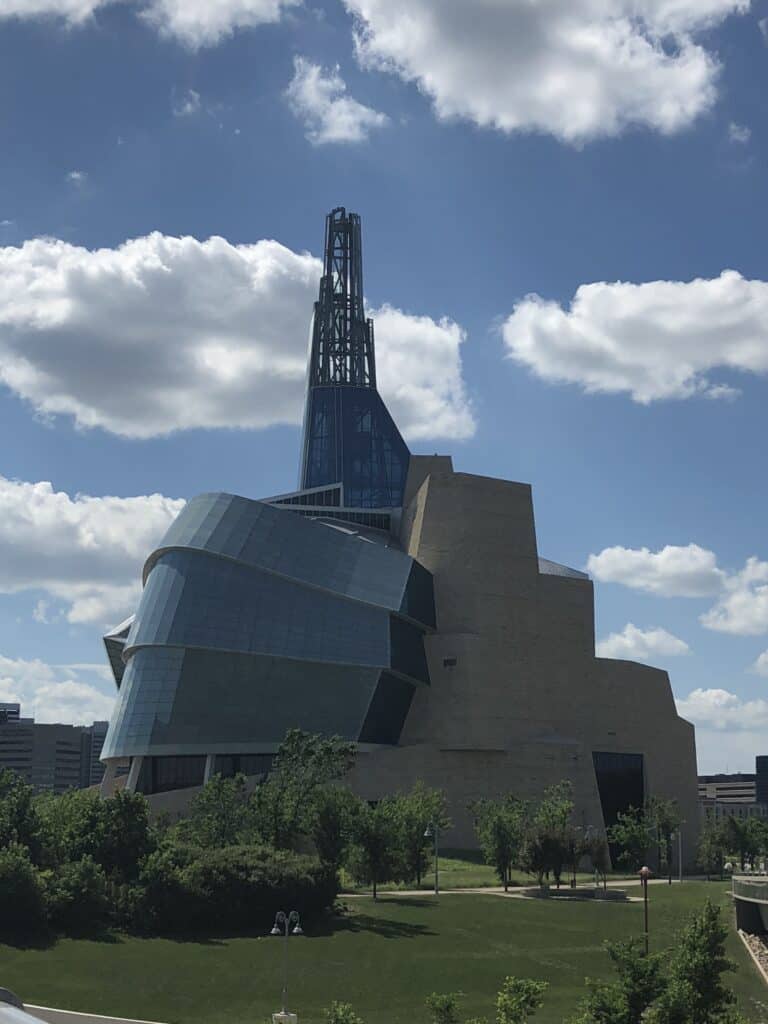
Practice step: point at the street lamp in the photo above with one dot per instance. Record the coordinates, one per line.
(430, 831)
(285, 924)
(645, 874)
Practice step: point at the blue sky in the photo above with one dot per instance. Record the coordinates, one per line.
(550, 194)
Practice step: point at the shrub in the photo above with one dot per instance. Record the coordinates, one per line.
(444, 1007)
(245, 886)
(341, 1013)
(76, 897)
(22, 904)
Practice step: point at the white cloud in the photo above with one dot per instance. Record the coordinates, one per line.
(52, 693)
(194, 23)
(165, 334)
(689, 571)
(77, 177)
(319, 98)
(635, 644)
(41, 612)
(653, 341)
(577, 69)
(86, 553)
(760, 666)
(739, 132)
(187, 104)
(743, 607)
(721, 710)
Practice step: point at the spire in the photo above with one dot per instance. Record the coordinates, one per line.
(350, 440)
(342, 338)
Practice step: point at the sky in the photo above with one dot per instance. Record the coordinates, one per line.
(564, 224)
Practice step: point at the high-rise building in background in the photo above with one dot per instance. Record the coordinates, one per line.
(51, 757)
(392, 601)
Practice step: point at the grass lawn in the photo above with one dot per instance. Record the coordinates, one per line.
(383, 957)
(460, 869)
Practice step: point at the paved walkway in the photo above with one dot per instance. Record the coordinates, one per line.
(518, 893)
(53, 1016)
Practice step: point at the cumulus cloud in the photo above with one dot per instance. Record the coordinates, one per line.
(319, 98)
(722, 710)
(194, 23)
(77, 177)
(635, 644)
(743, 606)
(657, 340)
(165, 334)
(689, 571)
(55, 693)
(739, 133)
(577, 69)
(760, 665)
(86, 553)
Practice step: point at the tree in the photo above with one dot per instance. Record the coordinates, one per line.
(22, 906)
(126, 836)
(18, 817)
(640, 981)
(595, 847)
(665, 816)
(518, 999)
(712, 849)
(630, 834)
(696, 993)
(500, 827)
(341, 1013)
(745, 838)
(331, 825)
(218, 814)
(304, 764)
(414, 812)
(549, 838)
(373, 857)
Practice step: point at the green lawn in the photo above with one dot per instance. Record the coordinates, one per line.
(382, 957)
(460, 869)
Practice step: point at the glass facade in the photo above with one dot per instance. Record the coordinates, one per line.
(254, 621)
(351, 437)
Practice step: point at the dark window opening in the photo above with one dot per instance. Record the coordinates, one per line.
(449, 663)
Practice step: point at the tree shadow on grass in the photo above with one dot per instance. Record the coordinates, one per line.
(347, 919)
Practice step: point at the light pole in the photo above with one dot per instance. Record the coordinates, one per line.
(429, 832)
(680, 851)
(645, 874)
(285, 923)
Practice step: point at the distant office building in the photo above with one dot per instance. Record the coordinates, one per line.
(761, 779)
(51, 757)
(736, 788)
(736, 795)
(390, 600)
(9, 712)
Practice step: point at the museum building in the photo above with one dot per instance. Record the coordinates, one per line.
(392, 601)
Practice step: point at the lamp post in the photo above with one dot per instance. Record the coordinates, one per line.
(680, 851)
(285, 924)
(645, 874)
(430, 831)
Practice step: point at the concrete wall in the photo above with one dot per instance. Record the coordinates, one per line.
(518, 700)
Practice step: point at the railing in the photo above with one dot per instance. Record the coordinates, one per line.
(750, 889)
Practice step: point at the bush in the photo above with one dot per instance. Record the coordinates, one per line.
(341, 1013)
(444, 1007)
(76, 897)
(245, 886)
(22, 903)
(182, 888)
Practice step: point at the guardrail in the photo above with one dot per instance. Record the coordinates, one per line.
(750, 889)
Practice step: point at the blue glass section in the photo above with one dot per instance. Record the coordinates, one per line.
(196, 600)
(350, 436)
(407, 650)
(387, 712)
(201, 701)
(268, 537)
